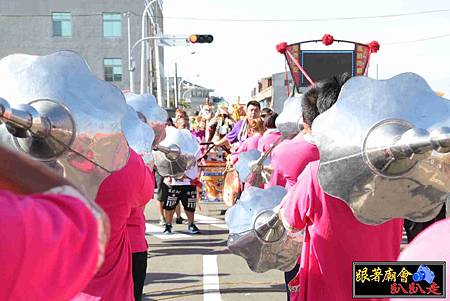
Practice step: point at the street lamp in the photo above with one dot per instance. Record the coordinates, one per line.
(144, 13)
(176, 75)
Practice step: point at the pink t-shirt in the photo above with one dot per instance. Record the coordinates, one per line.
(289, 159)
(269, 137)
(123, 190)
(248, 144)
(433, 244)
(49, 247)
(334, 238)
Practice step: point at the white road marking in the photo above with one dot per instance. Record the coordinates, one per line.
(158, 232)
(211, 287)
(207, 220)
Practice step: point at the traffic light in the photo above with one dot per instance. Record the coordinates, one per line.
(200, 38)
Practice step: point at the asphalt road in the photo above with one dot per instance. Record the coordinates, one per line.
(189, 267)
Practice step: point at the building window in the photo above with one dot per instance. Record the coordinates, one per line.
(112, 25)
(113, 70)
(62, 25)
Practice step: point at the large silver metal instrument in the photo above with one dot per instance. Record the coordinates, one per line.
(139, 135)
(55, 110)
(150, 112)
(258, 235)
(290, 120)
(176, 153)
(253, 166)
(384, 148)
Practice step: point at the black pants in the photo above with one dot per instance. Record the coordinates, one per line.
(288, 276)
(412, 229)
(139, 270)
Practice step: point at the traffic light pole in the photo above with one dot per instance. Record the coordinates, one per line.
(169, 41)
(131, 60)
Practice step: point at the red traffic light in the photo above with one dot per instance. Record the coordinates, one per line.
(201, 38)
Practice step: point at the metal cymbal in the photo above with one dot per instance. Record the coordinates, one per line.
(384, 148)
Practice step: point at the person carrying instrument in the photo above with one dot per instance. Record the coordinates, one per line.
(271, 134)
(128, 188)
(138, 243)
(334, 238)
(182, 191)
(43, 217)
(288, 159)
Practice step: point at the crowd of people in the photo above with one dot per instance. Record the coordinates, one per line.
(306, 207)
(70, 231)
(334, 237)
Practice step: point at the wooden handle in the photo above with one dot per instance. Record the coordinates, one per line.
(23, 175)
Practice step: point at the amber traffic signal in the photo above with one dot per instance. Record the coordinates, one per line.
(201, 38)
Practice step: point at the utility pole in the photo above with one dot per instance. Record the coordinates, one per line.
(176, 86)
(130, 67)
(168, 92)
(159, 95)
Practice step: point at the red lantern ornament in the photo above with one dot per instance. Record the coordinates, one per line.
(327, 39)
(374, 46)
(282, 47)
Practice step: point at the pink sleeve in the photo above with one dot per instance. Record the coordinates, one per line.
(296, 207)
(242, 148)
(49, 248)
(147, 188)
(277, 177)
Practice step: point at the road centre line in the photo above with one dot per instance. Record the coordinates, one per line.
(211, 286)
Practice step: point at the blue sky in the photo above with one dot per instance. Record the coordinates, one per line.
(243, 52)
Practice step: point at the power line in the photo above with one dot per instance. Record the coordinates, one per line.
(419, 40)
(256, 20)
(313, 19)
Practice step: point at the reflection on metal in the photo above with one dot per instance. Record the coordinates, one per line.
(139, 135)
(54, 109)
(176, 153)
(384, 148)
(253, 167)
(150, 112)
(257, 234)
(290, 121)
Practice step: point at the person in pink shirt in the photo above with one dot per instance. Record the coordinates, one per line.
(128, 188)
(290, 157)
(334, 238)
(53, 240)
(288, 160)
(255, 131)
(271, 135)
(432, 244)
(58, 228)
(139, 246)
